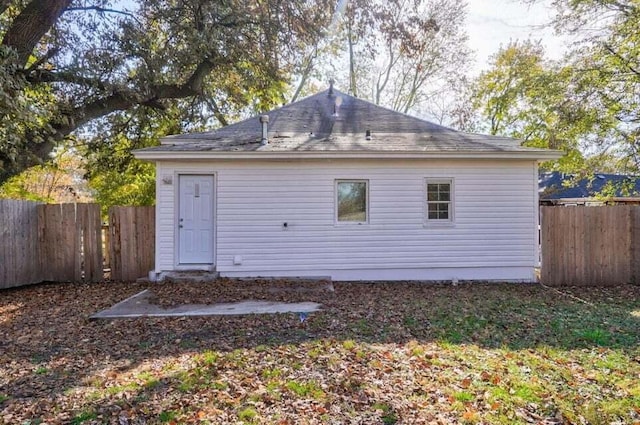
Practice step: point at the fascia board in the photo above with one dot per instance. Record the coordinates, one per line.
(208, 155)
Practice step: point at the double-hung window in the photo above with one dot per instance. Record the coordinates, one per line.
(352, 201)
(439, 200)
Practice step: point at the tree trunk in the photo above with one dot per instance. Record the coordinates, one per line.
(352, 68)
(28, 28)
(4, 5)
(305, 74)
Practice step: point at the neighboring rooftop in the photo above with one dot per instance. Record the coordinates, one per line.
(332, 121)
(556, 185)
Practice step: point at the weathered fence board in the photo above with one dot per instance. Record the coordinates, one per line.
(590, 246)
(91, 226)
(19, 254)
(70, 241)
(132, 242)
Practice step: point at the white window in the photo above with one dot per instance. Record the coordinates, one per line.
(439, 200)
(352, 201)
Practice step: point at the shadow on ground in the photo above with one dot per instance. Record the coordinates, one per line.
(49, 346)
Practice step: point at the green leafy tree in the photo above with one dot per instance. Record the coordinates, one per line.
(67, 66)
(114, 175)
(57, 181)
(608, 70)
(606, 73)
(542, 103)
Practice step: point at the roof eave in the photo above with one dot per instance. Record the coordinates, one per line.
(539, 155)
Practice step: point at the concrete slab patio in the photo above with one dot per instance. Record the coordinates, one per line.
(139, 306)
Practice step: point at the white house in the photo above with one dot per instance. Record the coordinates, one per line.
(336, 186)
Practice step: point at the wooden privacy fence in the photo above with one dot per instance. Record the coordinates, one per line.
(70, 245)
(63, 243)
(590, 246)
(19, 252)
(131, 241)
(585, 246)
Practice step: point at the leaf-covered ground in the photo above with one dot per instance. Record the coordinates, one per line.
(377, 354)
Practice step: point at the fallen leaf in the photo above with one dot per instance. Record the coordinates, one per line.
(321, 410)
(470, 415)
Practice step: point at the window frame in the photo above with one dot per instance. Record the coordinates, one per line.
(429, 222)
(336, 221)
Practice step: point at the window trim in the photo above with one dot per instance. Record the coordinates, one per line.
(335, 202)
(430, 222)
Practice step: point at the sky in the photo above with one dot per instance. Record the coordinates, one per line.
(491, 23)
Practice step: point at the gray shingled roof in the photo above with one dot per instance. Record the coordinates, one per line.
(556, 185)
(332, 121)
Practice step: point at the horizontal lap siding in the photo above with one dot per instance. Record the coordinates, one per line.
(165, 218)
(494, 216)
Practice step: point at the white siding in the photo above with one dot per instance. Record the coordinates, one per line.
(493, 235)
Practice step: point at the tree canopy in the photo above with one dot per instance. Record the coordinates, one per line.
(403, 53)
(70, 66)
(586, 103)
(526, 96)
(397, 53)
(107, 76)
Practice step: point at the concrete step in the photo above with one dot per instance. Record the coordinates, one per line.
(188, 276)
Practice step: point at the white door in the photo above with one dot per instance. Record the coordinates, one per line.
(195, 220)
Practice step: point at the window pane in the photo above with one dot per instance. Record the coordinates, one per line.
(444, 213)
(433, 211)
(438, 192)
(432, 192)
(439, 201)
(438, 211)
(352, 201)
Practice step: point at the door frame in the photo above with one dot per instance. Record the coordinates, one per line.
(176, 212)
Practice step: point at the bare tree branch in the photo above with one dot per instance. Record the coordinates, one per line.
(116, 101)
(39, 76)
(103, 10)
(308, 66)
(124, 99)
(216, 111)
(192, 87)
(624, 60)
(50, 53)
